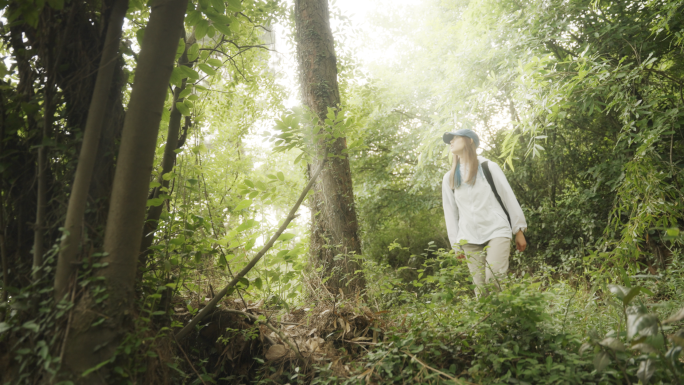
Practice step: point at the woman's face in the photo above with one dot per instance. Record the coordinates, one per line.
(458, 144)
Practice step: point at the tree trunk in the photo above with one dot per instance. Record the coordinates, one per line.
(90, 345)
(168, 161)
(333, 217)
(68, 256)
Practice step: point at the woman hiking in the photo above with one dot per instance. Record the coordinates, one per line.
(480, 210)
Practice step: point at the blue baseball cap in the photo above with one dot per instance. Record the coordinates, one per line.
(462, 132)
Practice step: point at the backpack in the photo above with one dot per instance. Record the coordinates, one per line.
(488, 176)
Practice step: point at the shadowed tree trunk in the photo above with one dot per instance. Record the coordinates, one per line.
(67, 261)
(333, 217)
(89, 345)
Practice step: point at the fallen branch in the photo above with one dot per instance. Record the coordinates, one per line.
(212, 304)
(456, 380)
(273, 329)
(187, 359)
(361, 342)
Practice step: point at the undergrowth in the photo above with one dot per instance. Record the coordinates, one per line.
(536, 330)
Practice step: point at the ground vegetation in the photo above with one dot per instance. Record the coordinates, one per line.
(168, 217)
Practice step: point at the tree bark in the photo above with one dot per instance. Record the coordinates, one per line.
(168, 161)
(90, 345)
(334, 225)
(68, 255)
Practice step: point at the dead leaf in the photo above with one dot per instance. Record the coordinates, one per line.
(312, 345)
(257, 305)
(361, 339)
(678, 316)
(276, 352)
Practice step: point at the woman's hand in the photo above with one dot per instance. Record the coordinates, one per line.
(520, 242)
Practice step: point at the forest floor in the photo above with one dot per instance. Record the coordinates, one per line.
(533, 331)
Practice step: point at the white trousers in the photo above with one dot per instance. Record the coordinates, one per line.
(487, 266)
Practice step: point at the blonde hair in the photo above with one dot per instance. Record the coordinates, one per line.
(470, 157)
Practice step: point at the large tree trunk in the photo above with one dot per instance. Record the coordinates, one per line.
(333, 217)
(173, 142)
(89, 345)
(67, 261)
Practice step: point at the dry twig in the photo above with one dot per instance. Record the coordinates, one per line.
(436, 370)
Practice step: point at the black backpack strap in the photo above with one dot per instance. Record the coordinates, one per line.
(488, 175)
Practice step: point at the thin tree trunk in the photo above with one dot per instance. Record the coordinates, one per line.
(41, 204)
(3, 231)
(90, 345)
(168, 161)
(68, 256)
(214, 301)
(334, 226)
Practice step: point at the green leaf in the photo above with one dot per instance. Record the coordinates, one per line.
(201, 29)
(206, 69)
(183, 109)
(218, 6)
(249, 223)
(673, 232)
(211, 31)
(639, 322)
(180, 48)
(32, 326)
(281, 176)
(218, 18)
(4, 326)
(249, 183)
(243, 205)
(94, 368)
(633, 292)
(223, 28)
(193, 18)
(176, 77)
(193, 52)
(646, 370)
(258, 283)
(619, 291)
(601, 360)
(286, 237)
(187, 72)
(234, 5)
(185, 93)
(249, 244)
(215, 62)
(154, 202)
(613, 344)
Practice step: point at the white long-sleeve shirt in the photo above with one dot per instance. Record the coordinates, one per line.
(472, 212)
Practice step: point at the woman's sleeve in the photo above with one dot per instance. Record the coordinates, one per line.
(508, 197)
(450, 212)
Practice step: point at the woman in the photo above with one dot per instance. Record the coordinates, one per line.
(475, 217)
